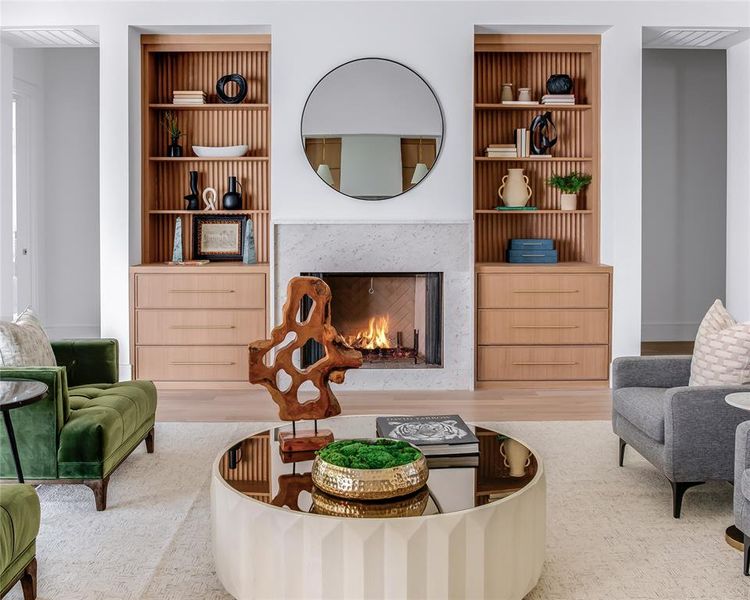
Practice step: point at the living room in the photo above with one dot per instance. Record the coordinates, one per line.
(526, 218)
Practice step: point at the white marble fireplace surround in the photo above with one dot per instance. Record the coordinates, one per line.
(392, 247)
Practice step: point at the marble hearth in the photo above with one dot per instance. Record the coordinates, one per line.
(392, 248)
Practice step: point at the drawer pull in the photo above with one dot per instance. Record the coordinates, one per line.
(544, 326)
(545, 291)
(201, 291)
(193, 363)
(545, 363)
(201, 326)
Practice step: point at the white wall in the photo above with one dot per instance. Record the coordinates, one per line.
(6, 238)
(684, 189)
(434, 38)
(70, 204)
(738, 181)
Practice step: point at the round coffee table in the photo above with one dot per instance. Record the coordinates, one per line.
(475, 530)
(15, 393)
(734, 537)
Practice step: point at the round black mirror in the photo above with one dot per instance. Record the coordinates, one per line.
(372, 128)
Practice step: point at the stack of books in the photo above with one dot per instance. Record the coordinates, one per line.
(523, 142)
(532, 251)
(521, 102)
(501, 151)
(445, 440)
(559, 99)
(188, 97)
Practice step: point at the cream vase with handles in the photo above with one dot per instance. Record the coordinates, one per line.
(516, 457)
(514, 190)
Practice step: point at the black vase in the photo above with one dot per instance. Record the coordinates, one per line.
(543, 133)
(174, 150)
(559, 84)
(192, 198)
(232, 199)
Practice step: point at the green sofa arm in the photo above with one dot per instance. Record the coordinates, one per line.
(36, 426)
(88, 361)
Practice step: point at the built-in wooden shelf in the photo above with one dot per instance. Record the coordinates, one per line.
(178, 159)
(532, 212)
(533, 159)
(209, 106)
(537, 107)
(251, 211)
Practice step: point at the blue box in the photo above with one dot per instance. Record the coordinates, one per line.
(531, 244)
(532, 256)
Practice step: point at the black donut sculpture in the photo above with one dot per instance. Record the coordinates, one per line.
(241, 93)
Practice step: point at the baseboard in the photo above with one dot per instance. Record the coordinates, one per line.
(668, 332)
(71, 332)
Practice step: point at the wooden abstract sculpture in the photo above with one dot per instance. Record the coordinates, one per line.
(337, 358)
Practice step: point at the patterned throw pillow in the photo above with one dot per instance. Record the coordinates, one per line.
(722, 350)
(23, 343)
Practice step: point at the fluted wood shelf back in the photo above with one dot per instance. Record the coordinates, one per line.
(250, 211)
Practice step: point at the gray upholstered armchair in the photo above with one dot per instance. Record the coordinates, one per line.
(685, 432)
(742, 488)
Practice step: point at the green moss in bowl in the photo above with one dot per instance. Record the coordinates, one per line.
(369, 454)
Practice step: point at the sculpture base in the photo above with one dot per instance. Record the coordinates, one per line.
(304, 441)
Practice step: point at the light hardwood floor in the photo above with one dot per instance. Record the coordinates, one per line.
(480, 405)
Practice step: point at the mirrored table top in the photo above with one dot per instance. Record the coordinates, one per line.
(19, 392)
(256, 468)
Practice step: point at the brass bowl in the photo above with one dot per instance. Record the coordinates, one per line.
(413, 505)
(370, 484)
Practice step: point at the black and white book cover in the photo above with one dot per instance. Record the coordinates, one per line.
(435, 435)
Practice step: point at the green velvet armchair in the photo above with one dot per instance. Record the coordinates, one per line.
(88, 423)
(19, 526)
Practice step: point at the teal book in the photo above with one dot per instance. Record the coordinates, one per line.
(512, 208)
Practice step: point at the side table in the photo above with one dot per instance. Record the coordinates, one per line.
(15, 393)
(734, 536)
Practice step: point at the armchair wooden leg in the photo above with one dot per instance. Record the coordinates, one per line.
(746, 560)
(28, 581)
(678, 491)
(150, 441)
(99, 487)
(622, 450)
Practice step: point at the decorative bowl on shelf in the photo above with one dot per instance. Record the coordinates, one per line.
(369, 469)
(220, 151)
(412, 505)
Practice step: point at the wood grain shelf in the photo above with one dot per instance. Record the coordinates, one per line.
(209, 106)
(181, 159)
(533, 159)
(491, 211)
(538, 107)
(250, 211)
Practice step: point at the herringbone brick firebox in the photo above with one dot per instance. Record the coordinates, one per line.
(394, 319)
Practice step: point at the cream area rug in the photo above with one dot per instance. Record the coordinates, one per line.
(610, 530)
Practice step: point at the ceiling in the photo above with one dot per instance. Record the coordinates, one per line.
(50, 37)
(707, 38)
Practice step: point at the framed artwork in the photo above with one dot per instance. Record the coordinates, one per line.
(217, 237)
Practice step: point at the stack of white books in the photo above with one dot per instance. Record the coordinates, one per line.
(188, 97)
(523, 143)
(501, 151)
(559, 99)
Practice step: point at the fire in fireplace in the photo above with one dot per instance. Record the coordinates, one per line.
(394, 319)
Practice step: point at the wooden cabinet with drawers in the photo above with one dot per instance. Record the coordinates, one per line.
(191, 325)
(543, 325)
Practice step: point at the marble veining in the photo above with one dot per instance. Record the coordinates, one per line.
(392, 247)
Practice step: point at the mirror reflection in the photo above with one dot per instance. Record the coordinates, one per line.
(372, 129)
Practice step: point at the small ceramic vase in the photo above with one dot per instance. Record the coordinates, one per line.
(516, 457)
(568, 201)
(514, 190)
(506, 93)
(524, 94)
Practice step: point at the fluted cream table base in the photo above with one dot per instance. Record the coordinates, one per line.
(491, 551)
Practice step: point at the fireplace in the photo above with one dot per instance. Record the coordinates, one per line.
(394, 319)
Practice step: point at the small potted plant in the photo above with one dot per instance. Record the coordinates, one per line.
(169, 121)
(569, 185)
